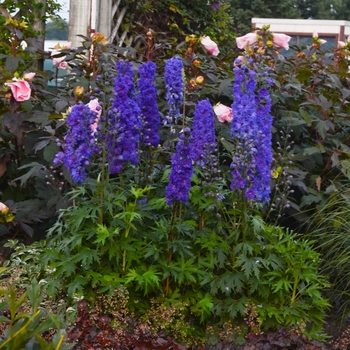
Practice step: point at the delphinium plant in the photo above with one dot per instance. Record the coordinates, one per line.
(155, 210)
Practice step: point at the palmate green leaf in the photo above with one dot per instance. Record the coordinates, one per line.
(232, 282)
(128, 216)
(86, 257)
(103, 233)
(186, 270)
(306, 116)
(63, 268)
(282, 284)
(220, 257)
(258, 224)
(171, 269)
(235, 307)
(203, 307)
(157, 203)
(34, 169)
(186, 226)
(244, 248)
(139, 192)
(249, 266)
(324, 126)
(77, 285)
(147, 281)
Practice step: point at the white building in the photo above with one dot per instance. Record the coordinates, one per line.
(301, 30)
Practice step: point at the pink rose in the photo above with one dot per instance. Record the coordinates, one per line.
(29, 76)
(3, 208)
(210, 45)
(62, 64)
(281, 40)
(96, 107)
(249, 39)
(20, 90)
(223, 113)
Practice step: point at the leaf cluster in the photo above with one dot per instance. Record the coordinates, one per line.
(25, 326)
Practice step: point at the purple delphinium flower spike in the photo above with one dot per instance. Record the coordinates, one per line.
(79, 142)
(147, 101)
(123, 134)
(251, 131)
(181, 171)
(174, 86)
(202, 137)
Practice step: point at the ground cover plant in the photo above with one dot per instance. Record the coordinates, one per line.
(174, 183)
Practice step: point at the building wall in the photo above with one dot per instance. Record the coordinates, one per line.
(306, 27)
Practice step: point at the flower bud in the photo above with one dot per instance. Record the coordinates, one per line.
(200, 79)
(79, 91)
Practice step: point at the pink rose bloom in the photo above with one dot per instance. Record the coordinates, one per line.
(281, 40)
(62, 64)
(3, 208)
(20, 90)
(210, 45)
(29, 76)
(96, 107)
(223, 113)
(249, 39)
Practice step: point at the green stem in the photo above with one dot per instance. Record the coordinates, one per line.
(295, 288)
(170, 251)
(127, 231)
(244, 219)
(31, 319)
(102, 186)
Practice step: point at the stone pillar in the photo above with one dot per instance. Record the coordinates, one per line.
(80, 12)
(103, 22)
(39, 25)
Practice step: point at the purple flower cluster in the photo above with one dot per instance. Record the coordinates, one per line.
(202, 138)
(147, 101)
(174, 86)
(80, 142)
(181, 171)
(123, 134)
(251, 131)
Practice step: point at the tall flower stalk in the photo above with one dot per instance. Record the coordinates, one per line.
(202, 138)
(147, 102)
(123, 134)
(181, 171)
(80, 142)
(251, 131)
(174, 87)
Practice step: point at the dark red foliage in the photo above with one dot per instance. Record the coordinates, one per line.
(92, 331)
(281, 339)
